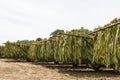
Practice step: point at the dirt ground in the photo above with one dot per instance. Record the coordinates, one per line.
(14, 70)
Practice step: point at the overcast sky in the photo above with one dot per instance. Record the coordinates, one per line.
(29, 19)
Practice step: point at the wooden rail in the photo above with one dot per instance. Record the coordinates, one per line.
(74, 35)
(103, 29)
(58, 35)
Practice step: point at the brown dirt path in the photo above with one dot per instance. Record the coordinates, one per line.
(27, 71)
(10, 70)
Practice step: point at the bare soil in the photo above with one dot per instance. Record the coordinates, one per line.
(16, 70)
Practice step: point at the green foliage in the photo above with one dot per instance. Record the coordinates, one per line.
(106, 47)
(56, 32)
(39, 39)
(73, 47)
(1, 51)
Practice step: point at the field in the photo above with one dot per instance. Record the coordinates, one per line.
(71, 55)
(16, 70)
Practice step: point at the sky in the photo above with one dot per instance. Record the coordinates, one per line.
(30, 19)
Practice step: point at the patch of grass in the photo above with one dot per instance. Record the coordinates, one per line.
(7, 70)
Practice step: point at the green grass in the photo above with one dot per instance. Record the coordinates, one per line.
(7, 70)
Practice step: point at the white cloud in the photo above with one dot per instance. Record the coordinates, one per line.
(29, 19)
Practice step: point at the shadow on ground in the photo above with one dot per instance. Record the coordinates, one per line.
(79, 72)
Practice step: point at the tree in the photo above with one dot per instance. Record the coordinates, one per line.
(81, 31)
(38, 39)
(54, 33)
